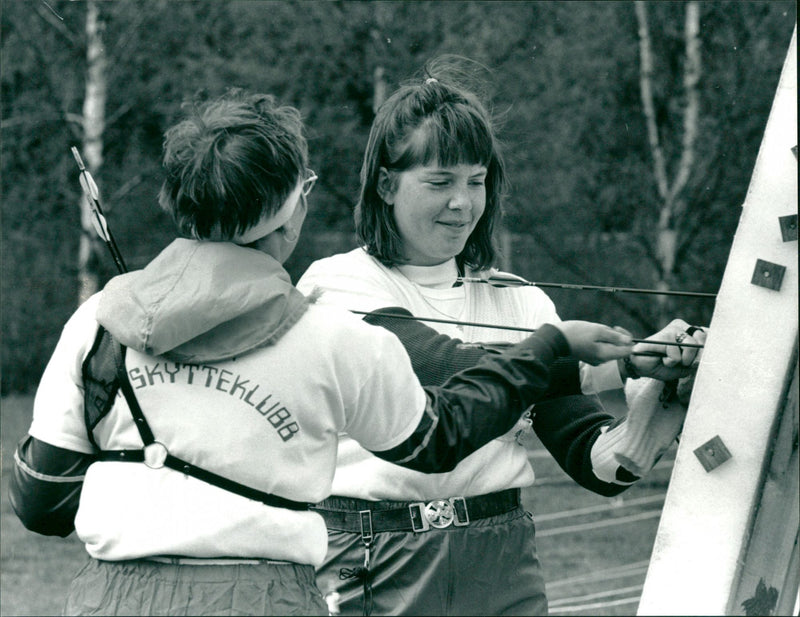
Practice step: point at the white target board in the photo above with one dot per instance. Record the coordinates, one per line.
(727, 539)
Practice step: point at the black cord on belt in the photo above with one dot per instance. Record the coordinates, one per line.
(360, 573)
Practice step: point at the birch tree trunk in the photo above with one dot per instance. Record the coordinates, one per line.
(379, 86)
(671, 192)
(94, 109)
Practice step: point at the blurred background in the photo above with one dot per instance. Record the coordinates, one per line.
(630, 131)
(565, 79)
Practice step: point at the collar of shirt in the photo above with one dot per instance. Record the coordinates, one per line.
(441, 276)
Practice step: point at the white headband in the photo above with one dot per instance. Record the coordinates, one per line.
(270, 223)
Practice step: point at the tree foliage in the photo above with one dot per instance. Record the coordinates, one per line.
(563, 78)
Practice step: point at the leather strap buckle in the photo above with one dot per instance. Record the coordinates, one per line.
(365, 518)
(419, 522)
(460, 510)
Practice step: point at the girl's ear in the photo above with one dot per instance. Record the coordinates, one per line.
(386, 188)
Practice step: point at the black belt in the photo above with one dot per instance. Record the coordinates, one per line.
(370, 517)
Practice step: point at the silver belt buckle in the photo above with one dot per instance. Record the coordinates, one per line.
(439, 513)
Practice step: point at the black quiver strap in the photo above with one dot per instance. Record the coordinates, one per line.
(104, 375)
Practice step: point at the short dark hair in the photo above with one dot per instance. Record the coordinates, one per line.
(456, 128)
(230, 162)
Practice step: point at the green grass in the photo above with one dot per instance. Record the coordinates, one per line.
(35, 571)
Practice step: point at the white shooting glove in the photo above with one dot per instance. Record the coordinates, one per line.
(656, 411)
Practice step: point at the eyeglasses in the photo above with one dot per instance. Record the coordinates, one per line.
(308, 183)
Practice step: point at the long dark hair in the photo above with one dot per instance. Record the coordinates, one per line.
(458, 129)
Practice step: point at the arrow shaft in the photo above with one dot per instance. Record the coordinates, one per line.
(515, 282)
(513, 328)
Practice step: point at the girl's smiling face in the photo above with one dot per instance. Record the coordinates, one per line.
(435, 208)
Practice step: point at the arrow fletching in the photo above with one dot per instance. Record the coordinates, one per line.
(498, 279)
(99, 222)
(90, 187)
(100, 225)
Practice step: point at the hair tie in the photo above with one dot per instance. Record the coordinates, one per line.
(431, 80)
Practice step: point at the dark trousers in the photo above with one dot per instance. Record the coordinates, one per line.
(142, 587)
(489, 567)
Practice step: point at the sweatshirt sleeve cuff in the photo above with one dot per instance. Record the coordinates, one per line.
(547, 338)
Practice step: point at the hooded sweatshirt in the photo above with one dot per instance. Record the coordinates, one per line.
(238, 373)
